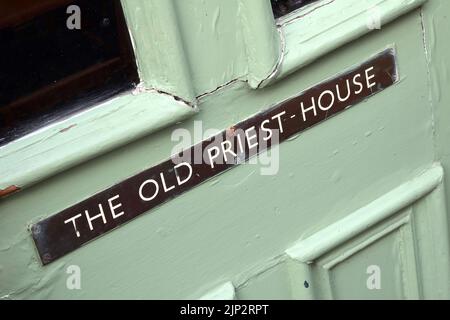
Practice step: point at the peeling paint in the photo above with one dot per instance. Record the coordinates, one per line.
(8, 191)
(46, 152)
(68, 128)
(141, 89)
(170, 234)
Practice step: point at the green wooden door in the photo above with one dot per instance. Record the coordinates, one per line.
(353, 207)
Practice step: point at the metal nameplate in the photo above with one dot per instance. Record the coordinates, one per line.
(89, 219)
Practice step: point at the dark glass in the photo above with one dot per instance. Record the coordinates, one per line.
(48, 71)
(283, 7)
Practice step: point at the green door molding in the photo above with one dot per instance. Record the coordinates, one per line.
(163, 97)
(362, 193)
(399, 219)
(83, 136)
(328, 24)
(270, 54)
(159, 49)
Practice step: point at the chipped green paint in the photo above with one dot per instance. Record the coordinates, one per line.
(229, 237)
(79, 138)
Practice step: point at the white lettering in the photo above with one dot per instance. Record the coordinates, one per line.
(249, 138)
(358, 83)
(239, 138)
(163, 180)
(114, 207)
(313, 108)
(211, 157)
(100, 215)
(278, 116)
(74, 224)
(320, 100)
(227, 149)
(141, 189)
(369, 77)
(339, 93)
(263, 128)
(180, 182)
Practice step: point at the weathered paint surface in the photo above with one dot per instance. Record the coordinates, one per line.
(8, 191)
(156, 37)
(65, 231)
(307, 37)
(79, 138)
(209, 41)
(237, 227)
(436, 25)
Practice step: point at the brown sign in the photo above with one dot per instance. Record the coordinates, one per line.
(107, 210)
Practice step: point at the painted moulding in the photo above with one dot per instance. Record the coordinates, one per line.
(308, 33)
(162, 98)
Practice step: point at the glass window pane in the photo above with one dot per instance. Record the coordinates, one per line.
(56, 60)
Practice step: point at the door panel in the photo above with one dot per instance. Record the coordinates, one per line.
(357, 208)
(381, 251)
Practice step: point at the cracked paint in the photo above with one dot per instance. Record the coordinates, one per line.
(219, 88)
(141, 89)
(25, 278)
(427, 55)
(277, 67)
(67, 128)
